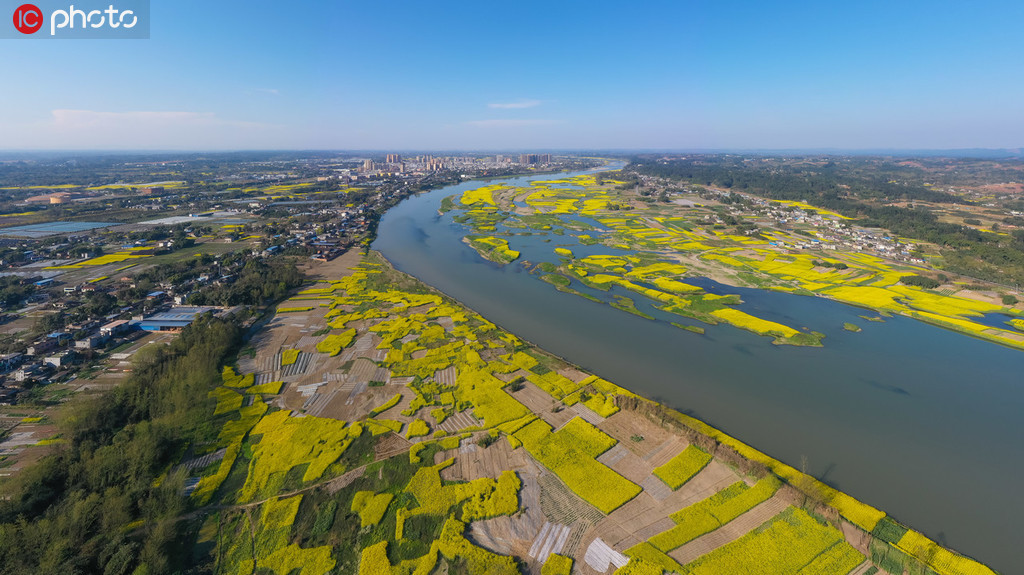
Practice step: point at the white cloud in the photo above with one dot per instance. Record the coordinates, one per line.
(511, 123)
(517, 105)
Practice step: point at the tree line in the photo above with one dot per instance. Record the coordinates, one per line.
(106, 500)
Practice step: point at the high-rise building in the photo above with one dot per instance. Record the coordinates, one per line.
(545, 158)
(527, 159)
(394, 158)
(368, 165)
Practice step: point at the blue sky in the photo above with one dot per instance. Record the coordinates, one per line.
(684, 74)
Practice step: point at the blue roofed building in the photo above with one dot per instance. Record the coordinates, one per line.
(175, 319)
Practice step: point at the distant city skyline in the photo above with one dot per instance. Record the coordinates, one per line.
(528, 76)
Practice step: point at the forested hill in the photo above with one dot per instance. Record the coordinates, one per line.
(830, 184)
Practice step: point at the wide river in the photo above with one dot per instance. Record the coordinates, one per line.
(923, 423)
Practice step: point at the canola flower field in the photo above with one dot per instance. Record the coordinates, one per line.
(653, 247)
(117, 257)
(303, 494)
(683, 467)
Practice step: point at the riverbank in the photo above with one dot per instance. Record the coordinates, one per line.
(872, 522)
(875, 430)
(460, 399)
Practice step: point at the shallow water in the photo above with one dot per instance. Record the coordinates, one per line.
(920, 422)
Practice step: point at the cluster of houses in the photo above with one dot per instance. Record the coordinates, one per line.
(324, 241)
(52, 354)
(55, 356)
(832, 233)
(71, 247)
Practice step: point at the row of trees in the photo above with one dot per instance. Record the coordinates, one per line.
(76, 511)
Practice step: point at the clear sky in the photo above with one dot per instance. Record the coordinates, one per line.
(557, 74)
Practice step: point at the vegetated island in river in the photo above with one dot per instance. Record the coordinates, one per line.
(441, 439)
(650, 245)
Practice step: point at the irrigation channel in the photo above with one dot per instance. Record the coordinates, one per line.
(918, 421)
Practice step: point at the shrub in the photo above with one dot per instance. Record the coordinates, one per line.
(889, 531)
(920, 281)
(324, 518)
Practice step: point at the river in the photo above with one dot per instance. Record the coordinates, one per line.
(920, 422)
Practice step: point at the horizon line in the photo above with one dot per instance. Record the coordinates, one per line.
(517, 150)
